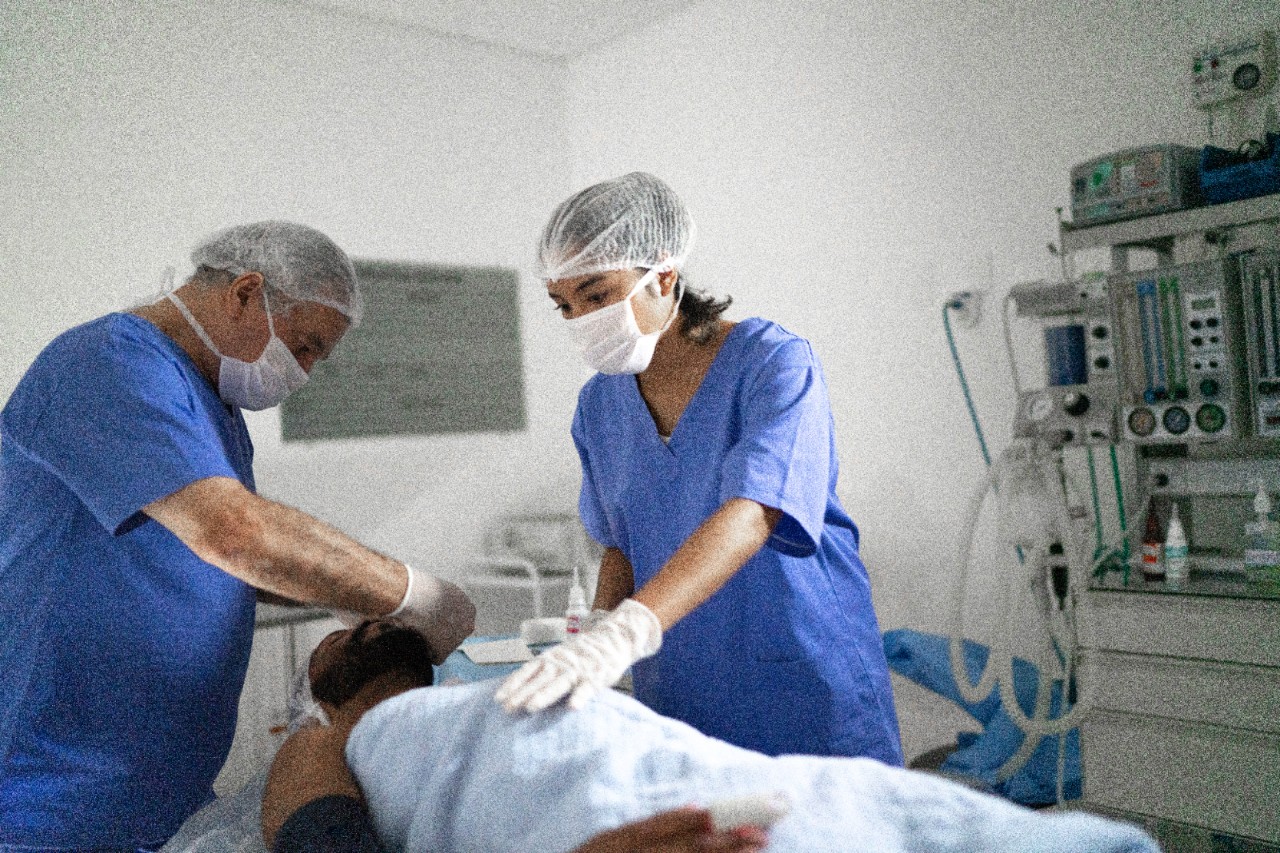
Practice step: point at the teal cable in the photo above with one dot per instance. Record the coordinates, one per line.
(1097, 509)
(1124, 526)
(964, 386)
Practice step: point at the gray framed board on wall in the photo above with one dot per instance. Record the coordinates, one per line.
(438, 351)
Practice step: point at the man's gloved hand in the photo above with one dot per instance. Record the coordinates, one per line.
(586, 664)
(438, 610)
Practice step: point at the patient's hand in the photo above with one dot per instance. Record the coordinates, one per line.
(686, 830)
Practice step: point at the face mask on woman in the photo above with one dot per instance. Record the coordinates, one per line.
(253, 385)
(611, 341)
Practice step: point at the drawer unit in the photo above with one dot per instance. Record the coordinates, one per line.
(1186, 709)
(1217, 777)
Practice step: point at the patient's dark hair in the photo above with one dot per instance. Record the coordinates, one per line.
(368, 655)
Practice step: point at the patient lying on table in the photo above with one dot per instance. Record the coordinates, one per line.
(446, 769)
(312, 802)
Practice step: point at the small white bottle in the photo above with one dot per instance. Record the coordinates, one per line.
(1175, 552)
(1262, 545)
(577, 610)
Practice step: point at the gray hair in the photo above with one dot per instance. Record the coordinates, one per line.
(294, 260)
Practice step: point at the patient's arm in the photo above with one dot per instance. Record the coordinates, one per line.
(686, 830)
(310, 767)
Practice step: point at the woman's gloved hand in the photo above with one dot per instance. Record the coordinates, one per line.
(586, 664)
(438, 610)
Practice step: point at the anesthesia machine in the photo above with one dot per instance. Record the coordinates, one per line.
(1161, 391)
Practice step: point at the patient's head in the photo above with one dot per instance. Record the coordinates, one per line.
(347, 660)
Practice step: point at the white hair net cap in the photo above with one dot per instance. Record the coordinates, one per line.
(295, 260)
(632, 221)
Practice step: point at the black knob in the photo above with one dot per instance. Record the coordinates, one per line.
(1162, 480)
(1102, 362)
(1075, 404)
(1100, 332)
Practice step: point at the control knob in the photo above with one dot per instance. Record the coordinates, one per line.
(1075, 404)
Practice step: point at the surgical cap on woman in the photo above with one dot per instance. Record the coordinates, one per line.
(295, 260)
(632, 221)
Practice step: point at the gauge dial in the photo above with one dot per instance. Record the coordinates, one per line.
(1142, 422)
(1211, 417)
(1177, 420)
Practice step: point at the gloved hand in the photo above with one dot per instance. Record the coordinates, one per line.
(594, 618)
(438, 610)
(586, 664)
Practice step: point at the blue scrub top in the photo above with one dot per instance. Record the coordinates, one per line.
(122, 654)
(787, 656)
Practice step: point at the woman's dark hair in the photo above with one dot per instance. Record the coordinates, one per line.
(700, 313)
(367, 655)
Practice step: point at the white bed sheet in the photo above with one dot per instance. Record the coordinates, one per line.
(445, 770)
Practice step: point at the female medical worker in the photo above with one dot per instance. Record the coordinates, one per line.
(731, 571)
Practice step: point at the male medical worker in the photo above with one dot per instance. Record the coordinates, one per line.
(133, 545)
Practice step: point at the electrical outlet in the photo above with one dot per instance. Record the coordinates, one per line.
(966, 307)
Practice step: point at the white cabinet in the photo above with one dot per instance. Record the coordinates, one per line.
(1186, 719)
(282, 642)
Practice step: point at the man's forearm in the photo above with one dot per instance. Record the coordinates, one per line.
(280, 550)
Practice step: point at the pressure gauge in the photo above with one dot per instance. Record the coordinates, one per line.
(1246, 77)
(1211, 417)
(1177, 420)
(1142, 422)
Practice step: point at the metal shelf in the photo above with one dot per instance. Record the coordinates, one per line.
(1150, 229)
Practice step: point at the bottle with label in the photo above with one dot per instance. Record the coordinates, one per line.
(1152, 545)
(1175, 552)
(577, 610)
(1262, 545)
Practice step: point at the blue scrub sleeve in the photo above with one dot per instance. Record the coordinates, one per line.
(590, 507)
(783, 456)
(116, 422)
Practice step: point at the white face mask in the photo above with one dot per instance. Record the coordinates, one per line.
(611, 341)
(253, 385)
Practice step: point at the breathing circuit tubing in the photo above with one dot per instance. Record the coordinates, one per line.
(999, 669)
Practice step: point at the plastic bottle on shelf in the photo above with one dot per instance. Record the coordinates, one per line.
(577, 611)
(1175, 552)
(1262, 545)
(1152, 545)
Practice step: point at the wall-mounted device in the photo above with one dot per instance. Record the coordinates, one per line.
(1260, 285)
(1135, 182)
(1181, 353)
(1229, 80)
(1243, 68)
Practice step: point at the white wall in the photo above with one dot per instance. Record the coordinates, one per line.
(132, 129)
(849, 164)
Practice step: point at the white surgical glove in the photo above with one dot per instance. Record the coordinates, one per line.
(438, 610)
(586, 664)
(594, 618)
